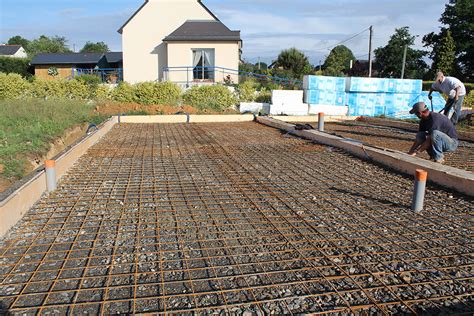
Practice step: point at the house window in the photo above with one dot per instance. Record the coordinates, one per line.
(203, 64)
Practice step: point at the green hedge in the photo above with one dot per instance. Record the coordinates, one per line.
(427, 86)
(15, 65)
(13, 86)
(247, 90)
(215, 97)
(157, 93)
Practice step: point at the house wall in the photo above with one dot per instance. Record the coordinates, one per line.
(21, 53)
(180, 54)
(144, 53)
(41, 71)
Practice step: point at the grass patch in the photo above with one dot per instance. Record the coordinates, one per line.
(27, 127)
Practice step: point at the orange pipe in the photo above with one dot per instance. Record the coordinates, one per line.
(50, 163)
(421, 175)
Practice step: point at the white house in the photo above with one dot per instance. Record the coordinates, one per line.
(12, 51)
(178, 40)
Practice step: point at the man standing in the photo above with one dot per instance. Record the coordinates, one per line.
(436, 133)
(454, 89)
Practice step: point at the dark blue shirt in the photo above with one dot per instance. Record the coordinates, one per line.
(438, 122)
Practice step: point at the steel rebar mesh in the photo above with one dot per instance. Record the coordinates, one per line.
(398, 139)
(235, 218)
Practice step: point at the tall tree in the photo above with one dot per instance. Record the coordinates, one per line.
(45, 44)
(18, 40)
(338, 61)
(458, 17)
(294, 61)
(445, 55)
(389, 58)
(99, 47)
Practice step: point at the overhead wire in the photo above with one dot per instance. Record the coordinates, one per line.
(343, 41)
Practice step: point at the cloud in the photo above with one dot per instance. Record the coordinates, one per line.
(70, 11)
(267, 26)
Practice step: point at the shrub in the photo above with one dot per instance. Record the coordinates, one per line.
(247, 91)
(12, 86)
(157, 93)
(215, 97)
(123, 93)
(264, 96)
(15, 65)
(79, 90)
(469, 100)
(102, 93)
(49, 89)
(91, 80)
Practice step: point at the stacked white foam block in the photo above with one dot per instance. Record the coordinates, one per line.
(288, 102)
(325, 94)
(254, 107)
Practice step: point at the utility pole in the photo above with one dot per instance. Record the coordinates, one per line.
(404, 60)
(370, 51)
(319, 65)
(258, 63)
(74, 47)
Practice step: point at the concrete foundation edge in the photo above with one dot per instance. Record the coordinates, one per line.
(449, 177)
(181, 118)
(15, 206)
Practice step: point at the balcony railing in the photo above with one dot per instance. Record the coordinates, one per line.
(107, 75)
(198, 74)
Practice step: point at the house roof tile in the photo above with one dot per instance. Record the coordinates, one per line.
(114, 57)
(8, 50)
(67, 58)
(205, 30)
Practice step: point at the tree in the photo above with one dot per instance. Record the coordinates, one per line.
(445, 55)
(459, 20)
(46, 44)
(338, 61)
(99, 47)
(389, 58)
(246, 67)
(295, 62)
(18, 40)
(261, 66)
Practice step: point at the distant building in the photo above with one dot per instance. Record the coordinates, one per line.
(12, 51)
(178, 40)
(69, 65)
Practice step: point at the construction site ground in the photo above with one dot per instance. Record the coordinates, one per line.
(237, 219)
(398, 139)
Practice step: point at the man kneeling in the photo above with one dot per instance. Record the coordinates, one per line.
(436, 133)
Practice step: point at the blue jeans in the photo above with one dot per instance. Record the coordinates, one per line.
(440, 142)
(457, 105)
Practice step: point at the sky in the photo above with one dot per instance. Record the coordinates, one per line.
(267, 26)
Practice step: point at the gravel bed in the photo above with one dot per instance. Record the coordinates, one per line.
(235, 218)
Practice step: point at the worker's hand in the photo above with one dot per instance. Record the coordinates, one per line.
(430, 97)
(412, 153)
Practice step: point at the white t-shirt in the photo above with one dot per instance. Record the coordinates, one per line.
(448, 85)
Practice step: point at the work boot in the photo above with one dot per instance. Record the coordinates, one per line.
(440, 160)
